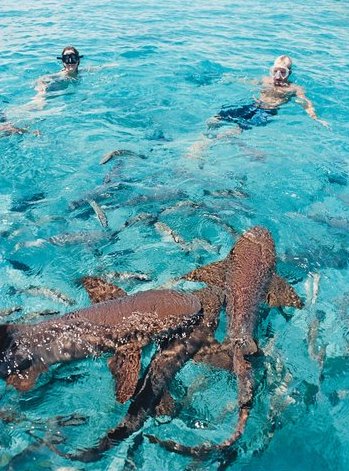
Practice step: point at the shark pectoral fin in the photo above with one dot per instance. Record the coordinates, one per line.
(212, 274)
(281, 293)
(26, 379)
(125, 366)
(99, 290)
(218, 355)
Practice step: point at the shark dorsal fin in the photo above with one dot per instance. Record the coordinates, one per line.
(212, 274)
(100, 290)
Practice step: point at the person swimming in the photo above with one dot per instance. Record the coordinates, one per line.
(70, 58)
(276, 91)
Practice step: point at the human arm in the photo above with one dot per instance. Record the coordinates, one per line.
(308, 106)
(229, 78)
(41, 88)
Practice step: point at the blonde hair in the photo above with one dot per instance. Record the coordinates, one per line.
(283, 61)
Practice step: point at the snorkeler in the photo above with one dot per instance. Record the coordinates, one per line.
(276, 91)
(70, 58)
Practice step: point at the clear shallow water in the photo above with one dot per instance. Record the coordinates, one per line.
(152, 75)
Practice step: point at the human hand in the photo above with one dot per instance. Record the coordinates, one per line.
(213, 122)
(323, 122)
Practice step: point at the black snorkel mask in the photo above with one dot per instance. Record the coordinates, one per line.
(70, 58)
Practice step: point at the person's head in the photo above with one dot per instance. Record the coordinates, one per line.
(71, 59)
(281, 70)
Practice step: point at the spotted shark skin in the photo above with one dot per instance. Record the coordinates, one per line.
(198, 344)
(121, 326)
(248, 279)
(152, 387)
(224, 281)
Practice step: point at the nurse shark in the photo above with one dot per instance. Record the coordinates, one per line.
(121, 326)
(248, 279)
(244, 281)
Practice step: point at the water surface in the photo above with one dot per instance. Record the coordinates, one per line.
(152, 74)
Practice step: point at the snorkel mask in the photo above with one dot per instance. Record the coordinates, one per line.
(70, 58)
(280, 73)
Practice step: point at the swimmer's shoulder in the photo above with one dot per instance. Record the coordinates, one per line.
(267, 82)
(51, 82)
(296, 89)
(49, 78)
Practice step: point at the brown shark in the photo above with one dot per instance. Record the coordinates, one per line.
(248, 279)
(121, 326)
(150, 390)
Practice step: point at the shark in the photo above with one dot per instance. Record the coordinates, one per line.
(115, 323)
(248, 279)
(243, 281)
(150, 395)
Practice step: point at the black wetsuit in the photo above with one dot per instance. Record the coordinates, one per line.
(247, 116)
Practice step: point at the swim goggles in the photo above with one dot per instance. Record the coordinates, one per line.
(70, 58)
(280, 73)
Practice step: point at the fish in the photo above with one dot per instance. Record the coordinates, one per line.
(19, 265)
(82, 237)
(10, 310)
(99, 213)
(129, 276)
(30, 243)
(68, 238)
(122, 326)
(194, 245)
(167, 231)
(119, 153)
(149, 392)
(47, 293)
(8, 129)
(248, 279)
(225, 279)
(141, 217)
(23, 205)
(227, 193)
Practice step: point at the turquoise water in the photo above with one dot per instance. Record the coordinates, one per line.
(152, 74)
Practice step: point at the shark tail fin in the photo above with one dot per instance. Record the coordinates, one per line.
(202, 451)
(281, 293)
